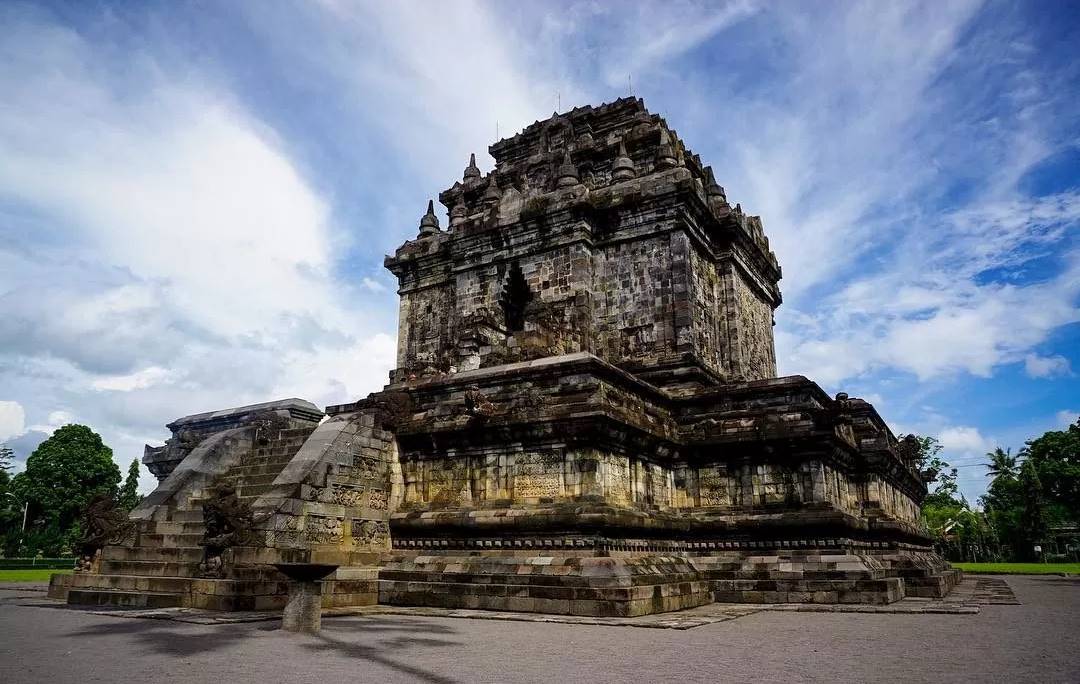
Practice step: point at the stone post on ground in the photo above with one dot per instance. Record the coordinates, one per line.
(303, 612)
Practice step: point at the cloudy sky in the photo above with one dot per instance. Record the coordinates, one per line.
(195, 197)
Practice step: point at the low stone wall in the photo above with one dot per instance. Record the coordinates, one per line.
(577, 582)
(562, 585)
(59, 585)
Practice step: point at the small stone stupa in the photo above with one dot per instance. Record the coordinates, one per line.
(584, 419)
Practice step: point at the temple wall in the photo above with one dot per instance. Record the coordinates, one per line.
(891, 500)
(527, 476)
(534, 475)
(641, 301)
(748, 327)
(833, 486)
(426, 326)
(558, 316)
(707, 313)
(634, 292)
(463, 323)
(748, 486)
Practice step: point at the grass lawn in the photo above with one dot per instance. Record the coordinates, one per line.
(28, 575)
(1020, 568)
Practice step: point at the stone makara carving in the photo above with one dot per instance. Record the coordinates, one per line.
(103, 522)
(228, 520)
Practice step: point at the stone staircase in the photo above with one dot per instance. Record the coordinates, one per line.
(160, 569)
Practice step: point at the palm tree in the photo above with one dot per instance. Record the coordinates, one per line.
(1002, 463)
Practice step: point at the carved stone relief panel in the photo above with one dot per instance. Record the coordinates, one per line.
(538, 474)
(323, 530)
(714, 488)
(531, 486)
(377, 500)
(370, 533)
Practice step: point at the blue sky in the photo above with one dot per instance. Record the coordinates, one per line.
(195, 198)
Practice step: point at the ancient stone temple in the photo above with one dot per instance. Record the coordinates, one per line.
(585, 418)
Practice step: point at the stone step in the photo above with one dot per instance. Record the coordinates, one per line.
(175, 527)
(239, 481)
(252, 491)
(256, 469)
(125, 599)
(183, 539)
(279, 461)
(174, 554)
(280, 451)
(193, 514)
(151, 540)
(259, 479)
(140, 583)
(162, 527)
(149, 568)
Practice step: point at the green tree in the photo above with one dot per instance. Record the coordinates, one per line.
(129, 493)
(6, 455)
(1023, 502)
(1056, 458)
(939, 476)
(1032, 523)
(62, 475)
(1002, 463)
(10, 508)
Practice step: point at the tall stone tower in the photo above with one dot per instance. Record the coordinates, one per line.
(598, 231)
(585, 418)
(588, 346)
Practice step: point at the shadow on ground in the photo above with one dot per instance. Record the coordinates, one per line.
(412, 635)
(385, 637)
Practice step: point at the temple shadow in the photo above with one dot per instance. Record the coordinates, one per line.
(398, 645)
(395, 639)
(165, 637)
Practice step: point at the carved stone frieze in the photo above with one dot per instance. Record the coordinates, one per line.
(368, 533)
(323, 530)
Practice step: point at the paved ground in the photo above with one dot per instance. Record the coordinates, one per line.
(1038, 641)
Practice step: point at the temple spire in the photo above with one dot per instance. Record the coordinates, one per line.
(429, 223)
(665, 154)
(457, 213)
(568, 174)
(492, 194)
(472, 171)
(712, 188)
(623, 168)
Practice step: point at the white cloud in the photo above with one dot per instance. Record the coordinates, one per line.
(167, 251)
(373, 285)
(648, 35)
(1046, 366)
(435, 78)
(168, 256)
(12, 419)
(934, 314)
(60, 418)
(178, 188)
(1066, 417)
(964, 439)
(55, 420)
(147, 377)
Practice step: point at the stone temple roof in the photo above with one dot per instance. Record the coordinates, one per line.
(598, 147)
